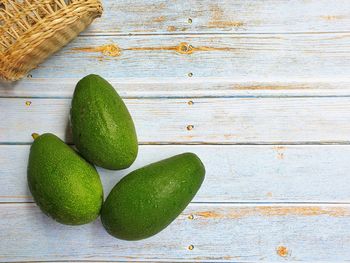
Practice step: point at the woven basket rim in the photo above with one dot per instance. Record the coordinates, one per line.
(44, 31)
(49, 19)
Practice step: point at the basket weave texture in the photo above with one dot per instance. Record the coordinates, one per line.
(32, 30)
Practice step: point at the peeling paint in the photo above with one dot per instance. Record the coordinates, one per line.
(280, 152)
(269, 211)
(332, 17)
(110, 50)
(229, 136)
(209, 214)
(223, 24)
(184, 48)
(269, 87)
(171, 28)
(159, 19)
(217, 19)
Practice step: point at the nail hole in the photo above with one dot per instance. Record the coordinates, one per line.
(28, 103)
(190, 102)
(191, 247)
(190, 74)
(282, 251)
(190, 21)
(191, 217)
(190, 127)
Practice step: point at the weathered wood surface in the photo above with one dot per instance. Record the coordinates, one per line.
(180, 88)
(202, 72)
(240, 173)
(217, 232)
(242, 57)
(161, 16)
(193, 121)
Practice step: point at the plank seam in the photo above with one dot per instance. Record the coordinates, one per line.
(315, 143)
(100, 33)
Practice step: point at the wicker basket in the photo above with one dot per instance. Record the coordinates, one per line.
(32, 30)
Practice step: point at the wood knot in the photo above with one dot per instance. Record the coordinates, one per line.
(191, 247)
(110, 50)
(184, 48)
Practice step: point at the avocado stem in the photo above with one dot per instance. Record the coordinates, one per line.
(35, 135)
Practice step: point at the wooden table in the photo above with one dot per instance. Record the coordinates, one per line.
(260, 90)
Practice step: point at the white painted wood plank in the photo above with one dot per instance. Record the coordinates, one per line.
(161, 16)
(180, 88)
(233, 173)
(239, 233)
(240, 58)
(193, 121)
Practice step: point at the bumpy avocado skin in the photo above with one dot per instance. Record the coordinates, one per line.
(63, 184)
(103, 130)
(148, 199)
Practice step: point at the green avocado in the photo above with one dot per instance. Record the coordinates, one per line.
(147, 200)
(103, 130)
(63, 184)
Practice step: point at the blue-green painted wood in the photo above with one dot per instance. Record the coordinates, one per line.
(235, 48)
(240, 173)
(217, 232)
(213, 120)
(242, 57)
(249, 16)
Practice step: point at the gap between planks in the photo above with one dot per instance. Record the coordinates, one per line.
(194, 34)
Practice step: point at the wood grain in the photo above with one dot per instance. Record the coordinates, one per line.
(214, 73)
(233, 173)
(242, 58)
(180, 88)
(209, 233)
(195, 121)
(161, 16)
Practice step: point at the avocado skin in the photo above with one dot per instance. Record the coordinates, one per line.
(63, 184)
(103, 130)
(148, 199)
